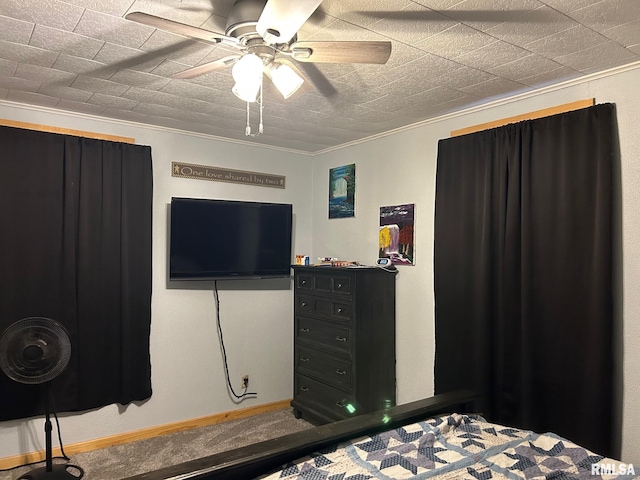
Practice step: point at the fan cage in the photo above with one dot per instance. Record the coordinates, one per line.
(34, 350)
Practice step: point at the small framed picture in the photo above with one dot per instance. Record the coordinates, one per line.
(342, 191)
(396, 238)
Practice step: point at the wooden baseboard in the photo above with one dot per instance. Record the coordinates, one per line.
(128, 437)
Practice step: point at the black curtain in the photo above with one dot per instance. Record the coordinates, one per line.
(523, 273)
(75, 246)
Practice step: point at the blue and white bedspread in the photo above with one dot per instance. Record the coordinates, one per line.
(455, 447)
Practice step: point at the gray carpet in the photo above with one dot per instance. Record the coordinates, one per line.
(145, 455)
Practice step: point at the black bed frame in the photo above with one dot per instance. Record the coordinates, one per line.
(251, 461)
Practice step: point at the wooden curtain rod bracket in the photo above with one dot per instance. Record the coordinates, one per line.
(545, 112)
(65, 131)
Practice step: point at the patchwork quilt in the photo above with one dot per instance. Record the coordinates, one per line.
(455, 447)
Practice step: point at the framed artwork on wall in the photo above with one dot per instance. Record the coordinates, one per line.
(342, 191)
(396, 238)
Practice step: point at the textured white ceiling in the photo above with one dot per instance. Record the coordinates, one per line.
(447, 55)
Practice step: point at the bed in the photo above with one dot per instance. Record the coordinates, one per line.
(417, 440)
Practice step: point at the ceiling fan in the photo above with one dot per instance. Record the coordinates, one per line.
(265, 34)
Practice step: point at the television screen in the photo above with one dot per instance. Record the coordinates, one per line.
(217, 239)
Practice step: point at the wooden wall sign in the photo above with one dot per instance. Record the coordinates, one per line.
(217, 174)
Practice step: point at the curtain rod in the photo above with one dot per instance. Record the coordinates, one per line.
(545, 112)
(65, 131)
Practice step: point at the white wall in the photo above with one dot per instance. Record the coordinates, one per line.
(186, 363)
(400, 168)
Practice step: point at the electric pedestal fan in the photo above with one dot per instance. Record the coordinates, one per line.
(35, 350)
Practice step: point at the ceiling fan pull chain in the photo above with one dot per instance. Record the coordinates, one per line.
(247, 130)
(261, 125)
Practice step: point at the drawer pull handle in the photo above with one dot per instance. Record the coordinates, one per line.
(341, 339)
(339, 286)
(340, 372)
(304, 359)
(339, 310)
(304, 389)
(304, 304)
(304, 330)
(303, 282)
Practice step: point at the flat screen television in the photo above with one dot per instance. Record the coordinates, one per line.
(224, 239)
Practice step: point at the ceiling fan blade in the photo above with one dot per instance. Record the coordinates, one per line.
(153, 58)
(341, 52)
(180, 28)
(316, 78)
(207, 67)
(281, 19)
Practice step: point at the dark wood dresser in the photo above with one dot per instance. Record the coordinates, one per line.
(344, 345)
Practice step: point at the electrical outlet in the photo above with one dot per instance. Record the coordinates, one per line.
(245, 381)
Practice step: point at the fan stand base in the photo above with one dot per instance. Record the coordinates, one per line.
(58, 472)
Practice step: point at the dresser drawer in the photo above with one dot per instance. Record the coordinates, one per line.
(324, 334)
(334, 370)
(335, 402)
(340, 284)
(304, 281)
(324, 307)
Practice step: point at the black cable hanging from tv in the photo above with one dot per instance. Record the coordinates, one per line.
(224, 352)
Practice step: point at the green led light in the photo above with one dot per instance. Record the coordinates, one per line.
(350, 408)
(386, 418)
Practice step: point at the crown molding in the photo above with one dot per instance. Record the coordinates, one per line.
(492, 104)
(456, 114)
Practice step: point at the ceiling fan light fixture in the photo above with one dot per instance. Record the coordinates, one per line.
(249, 66)
(247, 73)
(246, 91)
(286, 80)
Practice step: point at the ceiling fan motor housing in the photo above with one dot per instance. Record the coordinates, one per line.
(243, 18)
